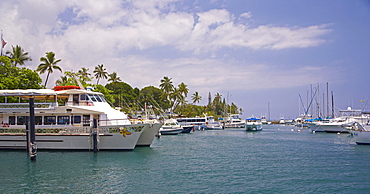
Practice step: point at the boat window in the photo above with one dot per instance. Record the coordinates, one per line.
(76, 119)
(86, 120)
(11, 120)
(21, 120)
(102, 98)
(63, 120)
(92, 97)
(49, 120)
(75, 97)
(83, 97)
(98, 98)
(38, 120)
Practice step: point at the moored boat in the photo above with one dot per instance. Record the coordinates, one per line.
(345, 116)
(360, 133)
(170, 127)
(213, 126)
(234, 121)
(187, 129)
(64, 120)
(253, 124)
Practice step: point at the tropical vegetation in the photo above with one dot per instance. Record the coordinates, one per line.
(166, 99)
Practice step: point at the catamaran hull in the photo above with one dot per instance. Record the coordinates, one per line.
(70, 142)
(148, 135)
(74, 138)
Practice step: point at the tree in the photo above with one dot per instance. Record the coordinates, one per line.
(49, 63)
(166, 85)
(196, 98)
(18, 56)
(113, 77)
(12, 77)
(84, 75)
(183, 88)
(123, 94)
(100, 72)
(177, 98)
(63, 81)
(153, 96)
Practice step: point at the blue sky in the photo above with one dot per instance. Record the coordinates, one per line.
(253, 53)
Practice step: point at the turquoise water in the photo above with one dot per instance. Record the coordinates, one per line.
(275, 160)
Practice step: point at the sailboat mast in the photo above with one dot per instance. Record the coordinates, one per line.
(327, 98)
(332, 104)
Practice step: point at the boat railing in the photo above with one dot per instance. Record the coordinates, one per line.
(109, 122)
(45, 105)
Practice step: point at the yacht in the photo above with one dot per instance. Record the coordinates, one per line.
(234, 121)
(345, 116)
(64, 119)
(360, 132)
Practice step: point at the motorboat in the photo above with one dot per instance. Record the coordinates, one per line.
(359, 132)
(234, 121)
(345, 116)
(253, 124)
(213, 126)
(187, 129)
(64, 120)
(170, 127)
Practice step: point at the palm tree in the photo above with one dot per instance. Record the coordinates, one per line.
(196, 98)
(49, 63)
(63, 81)
(100, 73)
(177, 98)
(18, 56)
(166, 85)
(84, 75)
(183, 88)
(113, 77)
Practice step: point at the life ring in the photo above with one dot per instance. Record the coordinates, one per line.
(5, 125)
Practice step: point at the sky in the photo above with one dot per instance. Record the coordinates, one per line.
(270, 58)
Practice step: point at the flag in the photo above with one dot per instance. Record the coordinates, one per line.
(3, 43)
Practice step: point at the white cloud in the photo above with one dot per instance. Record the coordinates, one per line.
(107, 30)
(246, 15)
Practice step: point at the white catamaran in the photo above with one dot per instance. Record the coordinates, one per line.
(64, 120)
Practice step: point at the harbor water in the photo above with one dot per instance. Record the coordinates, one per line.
(278, 159)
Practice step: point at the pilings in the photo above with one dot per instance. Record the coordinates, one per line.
(95, 135)
(31, 141)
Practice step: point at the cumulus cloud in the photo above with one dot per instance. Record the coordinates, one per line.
(118, 34)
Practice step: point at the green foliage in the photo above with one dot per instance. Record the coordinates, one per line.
(119, 94)
(48, 64)
(153, 96)
(106, 92)
(12, 77)
(18, 56)
(123, 94)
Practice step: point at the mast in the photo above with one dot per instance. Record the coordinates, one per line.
(332, 104)
(268, 110)
(327, 99)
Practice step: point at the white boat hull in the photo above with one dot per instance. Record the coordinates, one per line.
(252, 127)
(333, 128)
(361, 137)
(170, 131)
(148, 135)
(74, 138)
